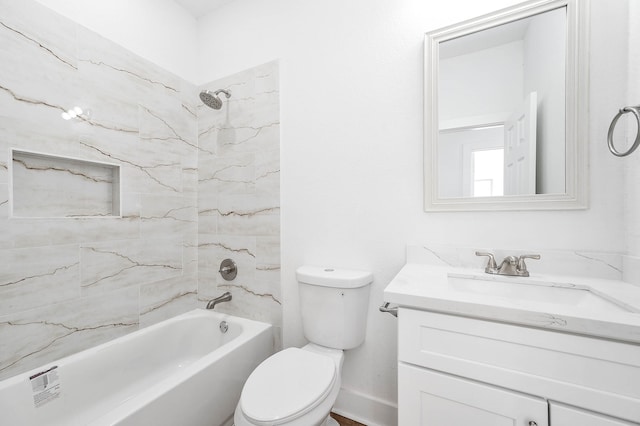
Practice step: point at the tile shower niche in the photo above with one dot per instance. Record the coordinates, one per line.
(53, 186)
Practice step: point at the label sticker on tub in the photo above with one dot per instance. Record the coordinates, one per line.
(45, 386)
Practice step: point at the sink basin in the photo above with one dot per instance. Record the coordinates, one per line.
(518, 291)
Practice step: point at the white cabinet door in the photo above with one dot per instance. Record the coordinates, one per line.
(563, 415)
(429, 398)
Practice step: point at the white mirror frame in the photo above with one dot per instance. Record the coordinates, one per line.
(576, 111)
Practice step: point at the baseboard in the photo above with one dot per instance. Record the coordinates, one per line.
(631, 269)
(229, 422)
(365, 409)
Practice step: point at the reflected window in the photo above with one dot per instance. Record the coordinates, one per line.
(488, 176)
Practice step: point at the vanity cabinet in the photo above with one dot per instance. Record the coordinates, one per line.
(455, 370)
(441, 399)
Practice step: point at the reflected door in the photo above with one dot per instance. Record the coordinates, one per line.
(520, 149)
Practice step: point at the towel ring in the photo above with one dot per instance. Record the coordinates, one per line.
(636, 111)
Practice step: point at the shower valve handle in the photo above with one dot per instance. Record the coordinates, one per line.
(228, 269)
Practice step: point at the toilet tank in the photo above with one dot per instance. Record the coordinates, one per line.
(334, 305)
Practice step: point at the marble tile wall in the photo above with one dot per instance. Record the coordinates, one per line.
(46, 186)
(565, 262)
(239, 195)
(69, 283)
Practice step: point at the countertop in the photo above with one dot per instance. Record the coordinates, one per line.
(428, 287)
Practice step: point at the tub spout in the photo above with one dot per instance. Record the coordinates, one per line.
(224, 298)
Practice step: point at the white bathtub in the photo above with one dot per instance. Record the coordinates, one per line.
(180, 372)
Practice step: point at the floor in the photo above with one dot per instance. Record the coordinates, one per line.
(346, 422)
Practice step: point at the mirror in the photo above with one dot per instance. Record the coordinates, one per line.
(506, 110)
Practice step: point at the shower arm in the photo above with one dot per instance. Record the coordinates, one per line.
(226, 92)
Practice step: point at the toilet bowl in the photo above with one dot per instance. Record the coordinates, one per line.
(298, 387)
(294, 387)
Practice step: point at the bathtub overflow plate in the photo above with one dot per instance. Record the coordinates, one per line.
(224, 326)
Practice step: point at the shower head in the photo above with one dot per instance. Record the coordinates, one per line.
(212, 100)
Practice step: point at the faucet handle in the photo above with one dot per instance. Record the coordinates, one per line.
(491, 267)
(522, 267)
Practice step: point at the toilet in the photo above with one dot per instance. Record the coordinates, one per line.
(298, 386)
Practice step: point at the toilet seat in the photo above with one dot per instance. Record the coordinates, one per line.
(286, 386)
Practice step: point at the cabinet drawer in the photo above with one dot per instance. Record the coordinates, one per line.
(594, 373)
(562, 415)
(429, 398)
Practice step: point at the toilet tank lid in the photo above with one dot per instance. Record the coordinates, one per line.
(333, 277)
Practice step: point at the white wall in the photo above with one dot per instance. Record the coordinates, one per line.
(351, 110)
(632, 163)
(158, 30)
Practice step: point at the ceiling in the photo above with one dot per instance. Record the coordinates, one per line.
(199, 8)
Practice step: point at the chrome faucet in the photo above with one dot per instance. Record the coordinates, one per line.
(224, 298)
(510, 265)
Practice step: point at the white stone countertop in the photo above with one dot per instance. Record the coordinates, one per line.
(613, 314)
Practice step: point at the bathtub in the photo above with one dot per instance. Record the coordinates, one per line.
(181, 372)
